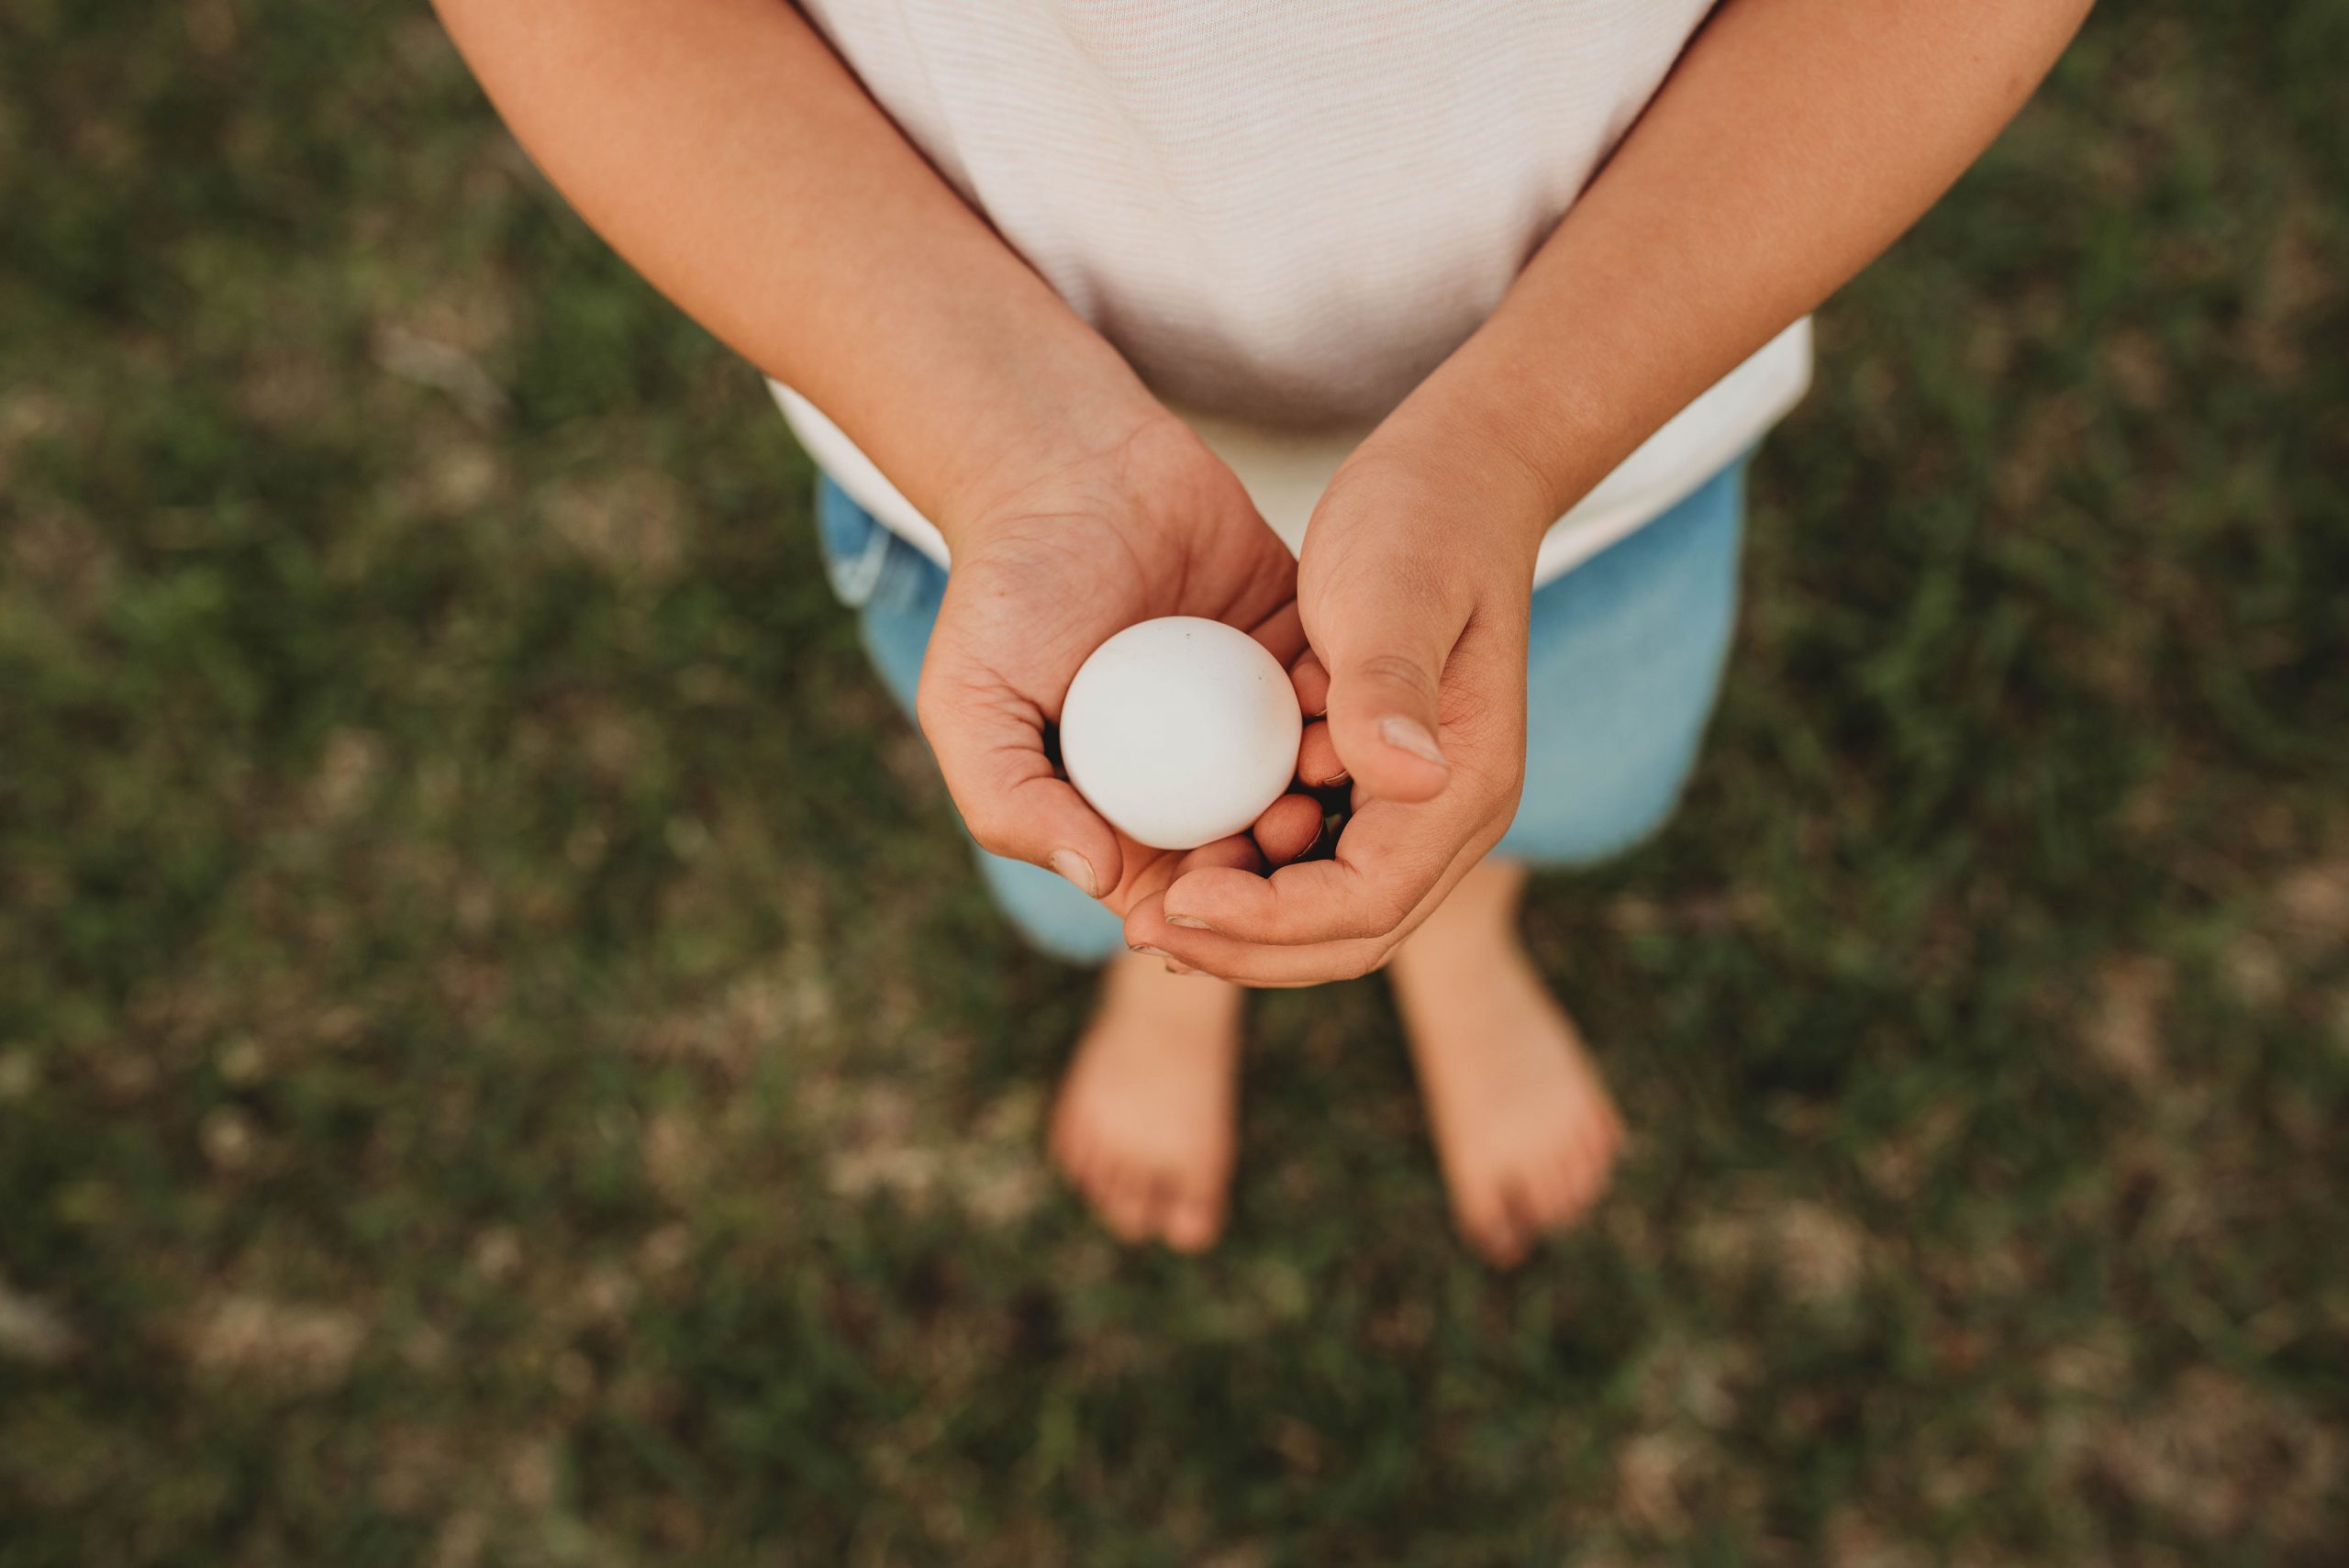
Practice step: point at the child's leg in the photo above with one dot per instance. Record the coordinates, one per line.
(1624, 663)
(1522, 1124)
(1146, 1121)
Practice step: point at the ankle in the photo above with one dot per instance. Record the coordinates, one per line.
(1478, 916)
(1449, 951)
(1136, 983)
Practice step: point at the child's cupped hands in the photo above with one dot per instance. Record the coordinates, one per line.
(1414, 590)
(1404, 627)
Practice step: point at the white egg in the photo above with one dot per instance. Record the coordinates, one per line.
(1180, 732)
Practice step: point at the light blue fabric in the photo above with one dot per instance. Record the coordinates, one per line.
(1624, 663)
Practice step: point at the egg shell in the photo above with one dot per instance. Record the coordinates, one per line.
(1180, 732)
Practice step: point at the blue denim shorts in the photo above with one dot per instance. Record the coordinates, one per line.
(1624, 665)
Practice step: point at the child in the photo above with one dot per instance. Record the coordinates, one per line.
(1103, 300)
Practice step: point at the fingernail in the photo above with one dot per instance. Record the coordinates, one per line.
(1076, 869)
(1410, 735)
(1189, 922)
(1175, 968)
(1148, 951)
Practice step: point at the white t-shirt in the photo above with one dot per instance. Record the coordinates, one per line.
(1285, 213)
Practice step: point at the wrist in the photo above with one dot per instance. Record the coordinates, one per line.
(1525, 429)
(1051, 431)
(1448, 467)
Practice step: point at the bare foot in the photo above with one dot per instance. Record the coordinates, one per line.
(1523, 1126)
(1146, 1123)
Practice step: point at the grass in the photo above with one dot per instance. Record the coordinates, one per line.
(503, 1060)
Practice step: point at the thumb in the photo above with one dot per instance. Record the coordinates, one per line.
(1386, 659)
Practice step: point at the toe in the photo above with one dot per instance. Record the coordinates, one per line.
(1124, 1204)
(1602, 1173)
(1606, 1137)
(1193, 1222)
(1536, 1206)
(1556, 1186)
(1065, 1139)
(1158, 1205)
(1577, 1180)
(1508, 1247)
(1071, 1150)
(1599, 1153)
(1587, 1166)
(1099, 1185)
(1062, 1149)
(1101, 1191)
(1485, 1222)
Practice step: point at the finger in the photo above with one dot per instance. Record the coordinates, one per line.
(1237, 852)
(1151, 871)
(1389, 859)
(1300, 904)
(1289, 827)
(1317, 759)
(1385, 654)
(1311, 679)
(989, 742)
(1282, 632)
(1251, 963)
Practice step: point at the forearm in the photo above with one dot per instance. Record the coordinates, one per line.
(722, 148)
(1793, 143)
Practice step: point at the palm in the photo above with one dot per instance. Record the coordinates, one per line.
(1041, 582)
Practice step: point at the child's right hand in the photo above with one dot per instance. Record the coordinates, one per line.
(1051, 559)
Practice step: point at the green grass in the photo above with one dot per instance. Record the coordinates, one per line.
(502, 1058)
